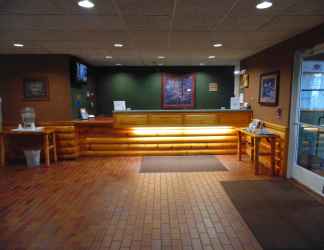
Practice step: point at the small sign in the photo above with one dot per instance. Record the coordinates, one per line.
(119, 105)
(235, 102)
(213, 87)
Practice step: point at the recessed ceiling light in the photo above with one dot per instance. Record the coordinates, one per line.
(263, 4)
(86, 4)
(118, 45)
(161, 57)
(118, 64)
(108, 57)
(217, 45)
(19, 45)
(201, 64)
(211, 57)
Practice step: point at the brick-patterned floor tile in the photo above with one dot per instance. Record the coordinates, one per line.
(106, 203)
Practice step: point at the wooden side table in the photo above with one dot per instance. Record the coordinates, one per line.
(256, 153)
(48, 142)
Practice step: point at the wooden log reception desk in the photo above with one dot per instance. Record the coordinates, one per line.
(151, 132)
(165, 132)
(158, 132)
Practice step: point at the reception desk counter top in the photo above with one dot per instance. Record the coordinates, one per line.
(181, 110)
(187, 117)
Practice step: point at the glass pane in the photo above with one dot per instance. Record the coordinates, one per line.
(311, 100)
(311, 149)
(312, 81)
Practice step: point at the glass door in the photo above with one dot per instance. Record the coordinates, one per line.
(306, 160)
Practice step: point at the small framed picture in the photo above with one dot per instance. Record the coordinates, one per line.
(244, 81)
(35, 89)
(269, 89)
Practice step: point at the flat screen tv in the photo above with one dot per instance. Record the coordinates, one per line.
(81, 73)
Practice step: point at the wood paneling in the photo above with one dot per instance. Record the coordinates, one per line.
(200, 119)
(234, 118)
(132, 119)
(14, 68)
(167, 119)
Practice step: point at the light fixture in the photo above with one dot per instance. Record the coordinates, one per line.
(118, 45)
(161, 57)
(202, 64)
(18, 45)
(217, 45)
(86, 4)
(211, 57)
(237, 72)
(160, 64)
(263, 4)
(118, 64)
(108, 57)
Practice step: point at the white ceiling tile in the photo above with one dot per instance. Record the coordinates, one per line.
(306, 7)
(293, 23)
(146, 7)
(62, 27)
(61, 22)
(55, 7)
(148, 22)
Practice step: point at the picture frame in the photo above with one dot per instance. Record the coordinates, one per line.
(269, 88)
(244, 80)
(178, 91)
(36, 89)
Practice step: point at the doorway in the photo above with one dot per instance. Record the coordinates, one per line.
(306, 150)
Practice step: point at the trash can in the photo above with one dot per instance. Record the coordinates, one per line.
(32, 157)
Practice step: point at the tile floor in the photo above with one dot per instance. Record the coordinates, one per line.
(107, 204)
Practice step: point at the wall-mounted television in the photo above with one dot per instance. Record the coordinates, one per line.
(81, 72)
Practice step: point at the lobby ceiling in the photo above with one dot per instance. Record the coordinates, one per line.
(181, 30)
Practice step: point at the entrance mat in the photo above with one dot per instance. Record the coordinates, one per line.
(192, 163)
(280, 215)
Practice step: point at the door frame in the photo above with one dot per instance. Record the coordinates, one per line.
(308, 178)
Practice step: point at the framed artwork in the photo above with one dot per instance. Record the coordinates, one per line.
(269, 89)
(178, 91)
(213, 87)
(244, 81)
(36, 89)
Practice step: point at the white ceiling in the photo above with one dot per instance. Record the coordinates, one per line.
(181, 30)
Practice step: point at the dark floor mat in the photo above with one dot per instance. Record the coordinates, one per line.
(280, 215)
(192, 163)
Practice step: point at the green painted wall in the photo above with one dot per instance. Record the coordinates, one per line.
(141, 86)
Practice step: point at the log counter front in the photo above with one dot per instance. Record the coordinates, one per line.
(164, 132)
(151, 132)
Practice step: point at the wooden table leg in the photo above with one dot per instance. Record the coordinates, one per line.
(46, 149)
(54, 147)
(3, 150)
(252, 149)
(239, 145)
(256, 155)
(273, 155)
